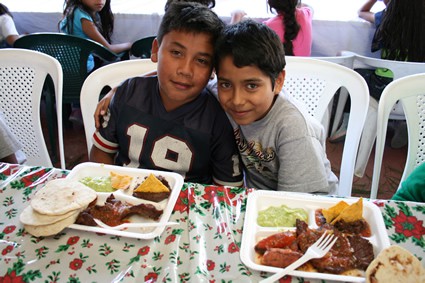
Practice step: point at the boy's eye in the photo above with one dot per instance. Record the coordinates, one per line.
(204, 61)
(175, 52)
(251, 86)
(224, 85)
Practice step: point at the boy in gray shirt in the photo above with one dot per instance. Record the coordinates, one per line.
(281, 145)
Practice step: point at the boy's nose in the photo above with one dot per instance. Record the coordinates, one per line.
(185, 68)
(237, 97)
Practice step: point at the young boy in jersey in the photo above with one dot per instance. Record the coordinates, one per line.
(281, 145)
(170, 121)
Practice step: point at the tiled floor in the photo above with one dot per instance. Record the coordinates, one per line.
(76, 152)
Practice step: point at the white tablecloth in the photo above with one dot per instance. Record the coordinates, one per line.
(134, 19)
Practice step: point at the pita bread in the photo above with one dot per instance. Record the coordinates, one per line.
(395, 264)
(60, 196)
(52, 229)
(31, 217)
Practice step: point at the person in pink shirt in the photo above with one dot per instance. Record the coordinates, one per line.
(293, 25)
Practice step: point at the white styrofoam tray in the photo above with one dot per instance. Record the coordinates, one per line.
(90, 169)
(253, 233)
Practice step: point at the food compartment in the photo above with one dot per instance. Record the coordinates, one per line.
(175, 181)
(253, 233)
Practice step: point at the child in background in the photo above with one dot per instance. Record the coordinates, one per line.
(170, 121)
(10, 147)
(8, 32)
(366, 14)
(91, 19)
(293, 25)
(413, 188)
(282, 147)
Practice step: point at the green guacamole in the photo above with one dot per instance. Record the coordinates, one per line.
(99, 184)
(282, 216)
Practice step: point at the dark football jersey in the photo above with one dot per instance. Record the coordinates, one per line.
(195, 140)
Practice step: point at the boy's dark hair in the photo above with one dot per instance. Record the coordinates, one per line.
(190, 17)
(104, 23)
(209, 3)
(251, 44)
(287, 9)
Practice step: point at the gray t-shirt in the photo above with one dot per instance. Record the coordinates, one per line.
(285, 150)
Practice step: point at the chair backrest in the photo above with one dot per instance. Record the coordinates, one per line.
(315, 82)
(110, 75)
(142, 48)
(72, 52)
(23, 73)
(346, 60)
(399, 68)
(411, 91)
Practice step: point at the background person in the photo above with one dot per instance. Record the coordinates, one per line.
(8, 32)
(91, 19)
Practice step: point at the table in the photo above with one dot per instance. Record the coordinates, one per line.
(134, 19)
(203, 248)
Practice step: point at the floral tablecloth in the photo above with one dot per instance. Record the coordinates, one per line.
(204, 247)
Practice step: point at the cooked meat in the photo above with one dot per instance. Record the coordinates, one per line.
(363, 251)
(280, 257)
(155, 197)
(349, 252)
(357, 227)
(279, 240)
(114, 212)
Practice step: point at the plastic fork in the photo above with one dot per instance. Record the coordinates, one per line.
(319, 249)
(132, 225)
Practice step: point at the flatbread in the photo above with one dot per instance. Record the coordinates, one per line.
(395, 264)
(60, 196)
(52, 229)
(31, 217)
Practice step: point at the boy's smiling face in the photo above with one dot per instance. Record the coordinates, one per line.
(246, 93)
(184, 66)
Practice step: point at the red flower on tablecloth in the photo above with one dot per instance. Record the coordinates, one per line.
(409, 226)
(76, 264)
(171, 238)
(144, 251)
(73, 240)
(182, 202)
(151, 277)
(9, 229)
(12, 278)
(286, 279)
(233, 248)
(210, 265)
(7, 250)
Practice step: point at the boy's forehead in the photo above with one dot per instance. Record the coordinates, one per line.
(190, 39)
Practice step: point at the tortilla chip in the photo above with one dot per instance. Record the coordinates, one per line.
(152, 185)
(351, 213)
(333, 212)
(120, 182)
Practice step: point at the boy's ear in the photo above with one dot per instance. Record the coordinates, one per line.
(154, 51)
(278, 85)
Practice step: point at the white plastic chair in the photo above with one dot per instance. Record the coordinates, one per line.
(347, 61)
(111, 75)
(315, 83)
(400, 69)
(23, 73)
(410, 91)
